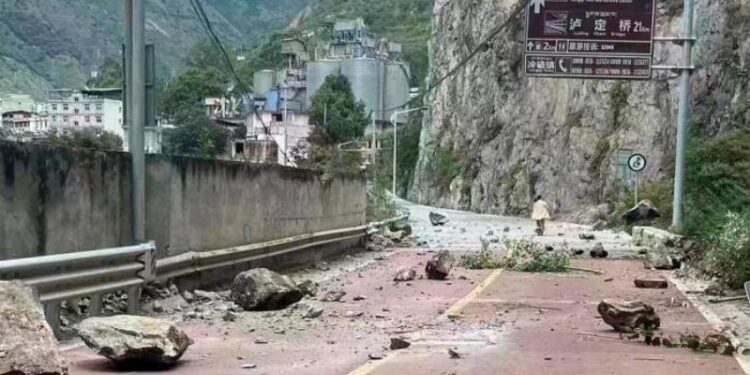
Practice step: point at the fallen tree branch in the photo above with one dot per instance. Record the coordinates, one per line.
(726, 299)
(595, 272)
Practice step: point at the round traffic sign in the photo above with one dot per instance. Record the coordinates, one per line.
(637, 162)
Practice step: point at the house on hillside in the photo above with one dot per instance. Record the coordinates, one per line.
(24, 125)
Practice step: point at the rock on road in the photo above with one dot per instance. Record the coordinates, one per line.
(477, 322)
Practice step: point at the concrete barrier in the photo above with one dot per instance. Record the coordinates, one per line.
(59, 200)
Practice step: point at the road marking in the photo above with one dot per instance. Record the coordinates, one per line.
(371, 366)
(458, 306)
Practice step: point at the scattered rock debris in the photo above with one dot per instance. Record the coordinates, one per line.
(398, 343)
(438, 219)
(651, 282)
(308, 287)
(628, 316)
(587, 236)
(439, 266)
(263, 289)
(659, 261)
(334, 295)
(375, 356)
(454, 354)
(598, 251)
(405, 274)
(643, 211)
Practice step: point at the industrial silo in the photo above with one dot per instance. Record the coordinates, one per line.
(396, 88)
(262, 82)
(317, 71)
(366, 77)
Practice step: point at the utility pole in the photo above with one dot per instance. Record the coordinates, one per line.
(286, 123)
(136, 54)
(682, 114)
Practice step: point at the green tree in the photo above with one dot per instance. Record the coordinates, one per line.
(196, 135)
(336, 114)
(190, 89)
(87, 138)
(110, 75)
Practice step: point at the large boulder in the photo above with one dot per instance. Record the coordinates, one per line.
(628, 316)
(438, 219)
(643, 211)
(129, 340)
(263, 289)
(439, 266)
(27, 344)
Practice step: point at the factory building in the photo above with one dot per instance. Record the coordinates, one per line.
(373, 67)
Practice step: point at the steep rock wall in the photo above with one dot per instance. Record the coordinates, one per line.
(493, 138)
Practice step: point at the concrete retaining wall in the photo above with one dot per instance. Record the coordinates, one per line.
(61, 200)
(195, 204)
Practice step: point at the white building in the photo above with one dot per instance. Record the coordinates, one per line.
(17, 102)
(23, 122)
(74, 110)
(273, 140)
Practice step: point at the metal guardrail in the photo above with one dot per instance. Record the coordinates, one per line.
(62, 277)
(92, 274)
(194, 262)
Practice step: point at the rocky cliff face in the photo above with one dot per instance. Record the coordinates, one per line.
(493, 138)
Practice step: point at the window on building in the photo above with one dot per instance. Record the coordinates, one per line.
(98, 119)
(99, 106)
(624, 174)
(278, 117)
(75, 123)
(54, 107)
(87, 107)
(65, 107)
(76, 111)
(65, 118)
(54, 118)
(75, 98)
(239, 148)
(87, 119)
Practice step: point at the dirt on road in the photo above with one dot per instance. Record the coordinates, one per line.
(476, 322)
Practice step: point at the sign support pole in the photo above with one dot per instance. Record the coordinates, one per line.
(682, 116)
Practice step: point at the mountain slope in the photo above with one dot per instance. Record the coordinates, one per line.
(57, 43)
(493, 138)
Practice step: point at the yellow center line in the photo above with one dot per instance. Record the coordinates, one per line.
(458, 306)
(454, 310)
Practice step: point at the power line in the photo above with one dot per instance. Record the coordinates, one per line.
(246, 89)
(482, 45)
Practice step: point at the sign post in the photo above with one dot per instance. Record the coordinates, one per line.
(606, 39)
(636, 163)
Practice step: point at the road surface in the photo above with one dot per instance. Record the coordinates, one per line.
(499, 322)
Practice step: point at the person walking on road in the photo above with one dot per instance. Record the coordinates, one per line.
(540, 213)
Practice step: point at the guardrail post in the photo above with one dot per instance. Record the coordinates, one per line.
(148, 274)
(134, 299)
(95, 304)
(52, 314)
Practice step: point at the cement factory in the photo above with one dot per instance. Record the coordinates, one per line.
(378, 76)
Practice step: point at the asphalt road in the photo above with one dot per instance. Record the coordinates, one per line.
(499, 322)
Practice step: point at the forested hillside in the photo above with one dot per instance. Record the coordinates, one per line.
(58, 43)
